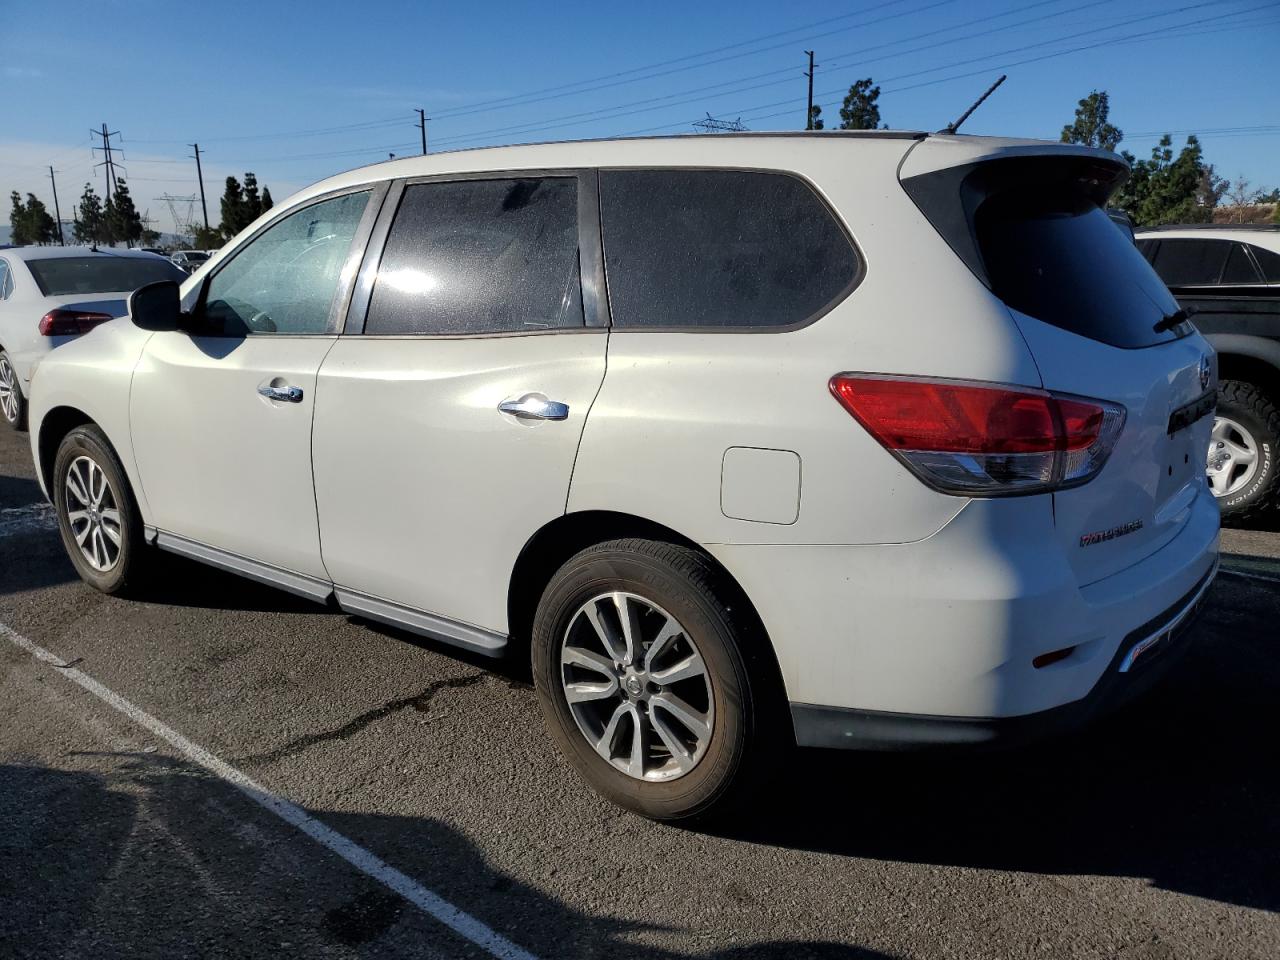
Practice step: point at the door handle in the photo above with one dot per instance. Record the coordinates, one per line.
(285, 394)
(534, 406)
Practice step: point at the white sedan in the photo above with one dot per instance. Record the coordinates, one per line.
(49, 295)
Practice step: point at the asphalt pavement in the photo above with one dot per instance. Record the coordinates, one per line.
(397, 800)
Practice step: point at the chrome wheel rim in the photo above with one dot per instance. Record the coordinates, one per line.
(637, 686)
(8, 391)
(93, 514)
(1232, 461)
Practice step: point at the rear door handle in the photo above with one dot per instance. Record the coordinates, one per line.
(534, 406)
(285, 394)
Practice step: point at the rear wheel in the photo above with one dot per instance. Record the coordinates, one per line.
(97, 515)
(13, 405)
(1241, 463)
(641, 668)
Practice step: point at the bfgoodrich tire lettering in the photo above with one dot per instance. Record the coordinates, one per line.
(683, 585)
(94, 502)
(1256, 413)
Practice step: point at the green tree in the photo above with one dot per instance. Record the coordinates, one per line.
(207, 238)
(18, 235)
(1090, 126)
(122, 217)
(861, 110)
(91, 225)
(30, 222)
(233, 220)
(1168, 188)
(815, 118)
(252, 199)
(267, 202)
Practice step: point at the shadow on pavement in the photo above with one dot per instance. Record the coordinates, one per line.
(1181, 788)
(158, 859)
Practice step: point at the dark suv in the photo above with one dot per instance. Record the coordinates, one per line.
(1228, 277)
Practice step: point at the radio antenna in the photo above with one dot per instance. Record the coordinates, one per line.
(955, 124)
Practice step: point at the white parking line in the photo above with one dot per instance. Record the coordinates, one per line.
(38, 516)
(1250, 576)
(425, 900)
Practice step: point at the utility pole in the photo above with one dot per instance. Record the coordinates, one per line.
(200, 176)
(808, 114)
(422, 125)
(56, 212)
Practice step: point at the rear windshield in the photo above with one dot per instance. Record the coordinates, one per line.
(101, 274)
(1062, 260)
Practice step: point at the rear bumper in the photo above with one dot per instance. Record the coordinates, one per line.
(1141, 659)
(945, 640)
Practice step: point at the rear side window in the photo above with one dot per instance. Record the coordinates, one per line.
(480, 256)
(720, 249)
(6, 281)
(1269, 261)
(1239, 268)
(1192, 263)
(1062, 261)
(59, 276)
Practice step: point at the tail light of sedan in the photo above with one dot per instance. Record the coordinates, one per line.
(70, 323)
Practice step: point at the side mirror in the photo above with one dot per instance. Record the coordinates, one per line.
(157, 306)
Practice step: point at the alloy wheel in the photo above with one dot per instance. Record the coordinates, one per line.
(637, 686)
(93, 514)
(9, 399)
(1233, 457)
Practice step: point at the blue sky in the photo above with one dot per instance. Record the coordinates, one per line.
(296, 91)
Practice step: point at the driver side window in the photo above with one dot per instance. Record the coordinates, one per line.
(284, 280)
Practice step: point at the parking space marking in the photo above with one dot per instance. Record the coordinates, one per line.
(1249, 576)
(37, 516)
(363, 860)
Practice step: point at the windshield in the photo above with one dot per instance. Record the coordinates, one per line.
(196, 255)
(102, 274)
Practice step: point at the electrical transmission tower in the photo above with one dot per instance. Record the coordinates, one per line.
(183, 217)
(109, 162)
(712, 125)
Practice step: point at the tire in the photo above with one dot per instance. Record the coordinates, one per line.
(13, 405)
(87, 451)
(734, 693)
(1246, 418)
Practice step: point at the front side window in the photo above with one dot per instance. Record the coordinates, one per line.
(719, 249)
(1239, 268)
(1269, 261)
(480, 256)
(1191, 263)
(284, 280)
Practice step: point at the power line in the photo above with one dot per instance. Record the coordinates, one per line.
(679, 99)
(513, 102)
(499, 102)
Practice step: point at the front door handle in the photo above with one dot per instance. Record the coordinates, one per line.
(534, 406)
(285, 394)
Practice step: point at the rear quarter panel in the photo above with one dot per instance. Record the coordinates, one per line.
(673, 402)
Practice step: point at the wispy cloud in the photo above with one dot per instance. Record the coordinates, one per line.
(23, 73)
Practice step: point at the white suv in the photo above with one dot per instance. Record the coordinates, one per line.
(845, 440)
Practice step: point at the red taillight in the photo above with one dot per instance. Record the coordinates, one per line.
(70, 323)
(983, 439)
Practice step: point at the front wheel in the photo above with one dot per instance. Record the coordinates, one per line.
(1241, 464)
(97, 515)
(642, 671)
